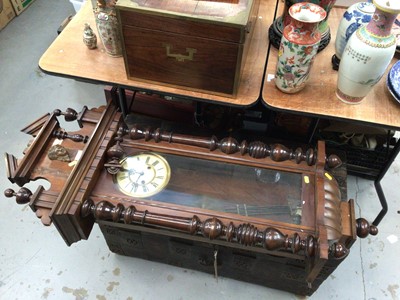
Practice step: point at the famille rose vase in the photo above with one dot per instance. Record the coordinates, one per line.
(107, 27)
(276, 29)
(368, 53)
(355, 16)
(298, 47)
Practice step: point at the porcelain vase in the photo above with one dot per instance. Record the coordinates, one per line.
(368, 53)
(355, 16)
(276, 29)
(298, 47)
(108, 28)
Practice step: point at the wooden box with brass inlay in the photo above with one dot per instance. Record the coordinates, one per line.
(200, 45)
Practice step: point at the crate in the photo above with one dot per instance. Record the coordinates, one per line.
(363, 162)
(20, 5)
(6, 13)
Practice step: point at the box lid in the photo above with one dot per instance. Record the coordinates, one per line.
(230, 12)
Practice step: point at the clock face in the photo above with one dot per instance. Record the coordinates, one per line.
(143, 175)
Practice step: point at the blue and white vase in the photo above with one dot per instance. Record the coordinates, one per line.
(368, 53)
(355, 16)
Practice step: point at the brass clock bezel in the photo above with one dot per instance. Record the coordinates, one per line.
(158, 189)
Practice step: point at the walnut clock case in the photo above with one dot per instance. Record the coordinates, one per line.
(256, 212)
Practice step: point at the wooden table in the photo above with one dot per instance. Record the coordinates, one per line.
(318, 98)
(69, 57)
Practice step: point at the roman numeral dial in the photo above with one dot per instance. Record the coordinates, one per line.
(143, 175)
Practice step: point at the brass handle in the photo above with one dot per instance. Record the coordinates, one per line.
(180, 57)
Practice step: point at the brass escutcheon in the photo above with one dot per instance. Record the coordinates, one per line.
(180, 57)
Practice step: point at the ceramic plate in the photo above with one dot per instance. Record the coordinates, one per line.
(390, 88)
(396, 32)
(394, 78)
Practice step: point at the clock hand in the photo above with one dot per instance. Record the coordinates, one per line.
(128, 170)
(140, 175)
(133, 171)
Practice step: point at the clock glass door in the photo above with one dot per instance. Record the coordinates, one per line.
(237, 189)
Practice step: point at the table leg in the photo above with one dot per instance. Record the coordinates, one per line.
(122, 101)
(198, 115)
(312, 129)
(378, 186)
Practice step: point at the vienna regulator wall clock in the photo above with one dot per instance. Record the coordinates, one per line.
(253, 211)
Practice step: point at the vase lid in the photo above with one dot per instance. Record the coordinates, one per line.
(390, 6)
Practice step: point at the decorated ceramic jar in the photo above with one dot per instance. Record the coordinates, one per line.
(355, 16)
(89, 37)
(298, 47)
(368, 53)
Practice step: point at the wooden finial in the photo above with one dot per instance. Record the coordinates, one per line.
(338, 251)
(364, 229)
(333, 161)
(21, 197)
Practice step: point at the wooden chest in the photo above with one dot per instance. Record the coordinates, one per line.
(200, 45)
